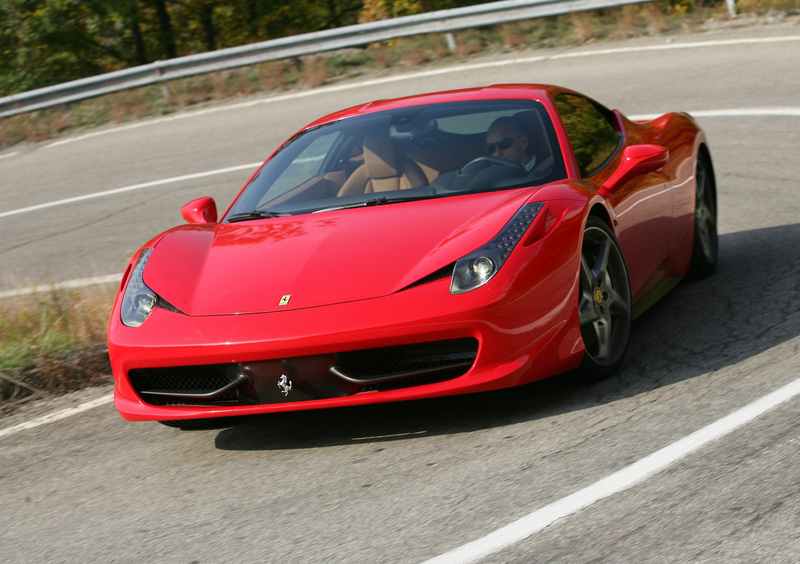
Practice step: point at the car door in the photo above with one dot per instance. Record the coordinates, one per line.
(642, 206)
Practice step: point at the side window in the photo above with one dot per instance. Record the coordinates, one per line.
(591, 134)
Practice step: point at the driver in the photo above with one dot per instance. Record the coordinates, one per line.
(505, 140)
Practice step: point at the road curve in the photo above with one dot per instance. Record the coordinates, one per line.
(407, 482)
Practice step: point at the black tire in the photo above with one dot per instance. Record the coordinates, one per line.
(605, 304)
(705, 244)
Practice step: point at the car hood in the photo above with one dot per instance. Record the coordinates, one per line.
(321, 259)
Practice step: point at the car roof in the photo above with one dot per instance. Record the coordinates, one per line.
(494, 92)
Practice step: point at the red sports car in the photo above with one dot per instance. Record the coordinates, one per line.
(440, 244)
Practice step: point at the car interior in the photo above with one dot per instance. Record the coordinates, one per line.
(432, 151)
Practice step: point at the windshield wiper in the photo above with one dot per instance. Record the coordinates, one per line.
(255, 214)
(374, 202)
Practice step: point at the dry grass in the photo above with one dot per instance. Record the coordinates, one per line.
(655, 18)
(37, 126)
(515, 34)
(585, 26)
(271, 75)
(315, 72)
(759, 7)
(469, 41)
(412, 51)
(129, 105)
(430, 47)
(381, 54)
(227, 84)
(53, 342)
(440, 47)
(406, 51)
(549, 32)
(627, 20)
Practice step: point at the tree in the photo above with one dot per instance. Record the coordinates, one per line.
(44, 42)
(129, 12)
(165, 37)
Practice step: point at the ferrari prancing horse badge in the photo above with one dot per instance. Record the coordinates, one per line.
(285, 300)
(285, 384)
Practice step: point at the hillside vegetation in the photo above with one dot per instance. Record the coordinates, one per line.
(45, 42)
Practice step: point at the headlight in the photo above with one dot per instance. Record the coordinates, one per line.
(477, 268)
(139, 300)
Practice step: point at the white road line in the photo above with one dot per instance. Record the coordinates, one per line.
(618, 481)
(68, 285)
(57, 416)
(9, 155)
(744, 112)
(429, 73)
(196, 175)
(671, 46)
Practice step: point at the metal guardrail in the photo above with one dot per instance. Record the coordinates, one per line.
(443, 21)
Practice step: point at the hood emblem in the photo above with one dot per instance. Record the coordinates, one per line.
(285, 300)
(285, 384)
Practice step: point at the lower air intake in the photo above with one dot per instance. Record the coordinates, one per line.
(406, 365)
(165, 386)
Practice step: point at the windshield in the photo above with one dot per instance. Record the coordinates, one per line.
(406, 154)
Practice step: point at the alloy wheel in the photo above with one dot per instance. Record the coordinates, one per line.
(605, 298)
(705, 215)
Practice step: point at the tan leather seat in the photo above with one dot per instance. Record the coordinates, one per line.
(531, 125)
(384, 169)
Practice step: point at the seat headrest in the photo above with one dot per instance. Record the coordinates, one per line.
(380, 156)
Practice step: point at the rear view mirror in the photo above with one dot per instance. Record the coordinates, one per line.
(636, 160)
(201, 210)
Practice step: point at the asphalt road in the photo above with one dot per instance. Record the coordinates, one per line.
(405, 482)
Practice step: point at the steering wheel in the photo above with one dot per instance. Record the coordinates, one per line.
(472, 168)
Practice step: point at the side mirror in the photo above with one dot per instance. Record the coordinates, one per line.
(201, 210)
(636, 160)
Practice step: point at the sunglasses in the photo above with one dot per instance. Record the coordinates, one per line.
(502, 144)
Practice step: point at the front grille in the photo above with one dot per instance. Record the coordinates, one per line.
(311, 377)
(205, 378)
(391, 368)
(184, 379)
(388, 361)
(416, 380)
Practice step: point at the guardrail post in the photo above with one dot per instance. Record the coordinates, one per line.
(451, 42)
(163, 83)
(731, 7)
